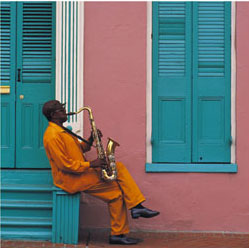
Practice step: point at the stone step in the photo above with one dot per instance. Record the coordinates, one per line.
(26, 204)
(26, 235)
(26, 187)
(27, 221)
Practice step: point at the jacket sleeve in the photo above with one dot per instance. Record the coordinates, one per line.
(58, 155)
(85, 147)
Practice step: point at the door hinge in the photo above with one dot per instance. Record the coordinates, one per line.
(18, 75)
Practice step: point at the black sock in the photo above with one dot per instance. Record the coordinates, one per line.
(120, 235)
(139, 206)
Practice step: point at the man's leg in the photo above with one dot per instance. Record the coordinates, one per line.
(132, 194)
(111, 193)
(121, 194)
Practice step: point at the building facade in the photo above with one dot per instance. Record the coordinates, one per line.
(168, 81)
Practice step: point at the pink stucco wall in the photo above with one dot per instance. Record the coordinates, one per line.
(115, 87)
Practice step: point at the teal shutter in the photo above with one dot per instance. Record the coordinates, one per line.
(191, 78)
(36, 35)
(211, 81)
(171, 106)
(36, 63)
(7, 78)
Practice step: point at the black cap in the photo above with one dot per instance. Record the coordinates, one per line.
(51, 106)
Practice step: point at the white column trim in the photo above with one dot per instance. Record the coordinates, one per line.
(233, 82)
(149, 85)
(80, 55)
(58, 45)
(72, 64)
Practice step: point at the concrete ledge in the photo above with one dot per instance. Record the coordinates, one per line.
(65, 228)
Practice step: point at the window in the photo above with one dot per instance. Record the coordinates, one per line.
(191, 87)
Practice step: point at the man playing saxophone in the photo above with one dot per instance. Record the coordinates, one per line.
(73, 173)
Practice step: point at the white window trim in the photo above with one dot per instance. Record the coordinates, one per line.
(149, 84)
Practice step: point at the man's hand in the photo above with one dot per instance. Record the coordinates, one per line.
(99, 133)
(91, 139)
(98, 163)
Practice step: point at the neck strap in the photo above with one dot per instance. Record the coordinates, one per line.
(77, 136)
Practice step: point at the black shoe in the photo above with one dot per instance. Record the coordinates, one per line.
(122, 240)
(143, 212)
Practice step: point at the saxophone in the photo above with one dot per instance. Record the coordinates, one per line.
(110, 172)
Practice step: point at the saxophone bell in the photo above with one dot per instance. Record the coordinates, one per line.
(110, 173)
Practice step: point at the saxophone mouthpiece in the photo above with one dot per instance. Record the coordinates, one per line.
(71, 113)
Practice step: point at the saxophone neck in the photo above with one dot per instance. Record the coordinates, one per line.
(88, 109)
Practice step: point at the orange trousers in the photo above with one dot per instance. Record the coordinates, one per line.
(120, 195)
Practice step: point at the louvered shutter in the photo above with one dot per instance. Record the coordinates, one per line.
(171, 82)
(37, 39)
(211, 81)
(36, 63)
(7, 78)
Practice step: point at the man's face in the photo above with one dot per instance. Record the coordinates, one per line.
(59, 114)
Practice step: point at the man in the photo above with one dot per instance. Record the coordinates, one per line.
(72, 173)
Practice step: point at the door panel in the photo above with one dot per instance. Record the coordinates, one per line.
(36, 85)
(171, 105)
(211, 82)
(7, 78)
(30, 150)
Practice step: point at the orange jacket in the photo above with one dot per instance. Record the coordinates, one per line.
(70, 171)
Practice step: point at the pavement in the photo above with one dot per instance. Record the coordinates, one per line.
(150, 240)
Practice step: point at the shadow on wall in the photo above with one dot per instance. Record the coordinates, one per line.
(93, 213)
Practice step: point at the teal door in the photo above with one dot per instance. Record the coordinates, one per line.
(7, 77)
(191, 120)
(29, 52)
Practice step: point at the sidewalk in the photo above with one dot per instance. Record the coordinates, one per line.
(150, 240)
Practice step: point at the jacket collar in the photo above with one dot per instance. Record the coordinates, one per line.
(57, 127)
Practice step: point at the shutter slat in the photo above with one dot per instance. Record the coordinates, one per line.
(210, 18)
(37, 42)
(171, 32)
(5, 35)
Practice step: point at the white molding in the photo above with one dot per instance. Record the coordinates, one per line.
(80, 56)
(66, 31)
(233, 82)
(58, 78)
(76, 50)
(149, 84)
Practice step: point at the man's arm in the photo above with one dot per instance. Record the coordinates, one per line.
(57, 153)
(87, 147)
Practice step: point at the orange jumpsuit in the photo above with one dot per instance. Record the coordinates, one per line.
(72, 173)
